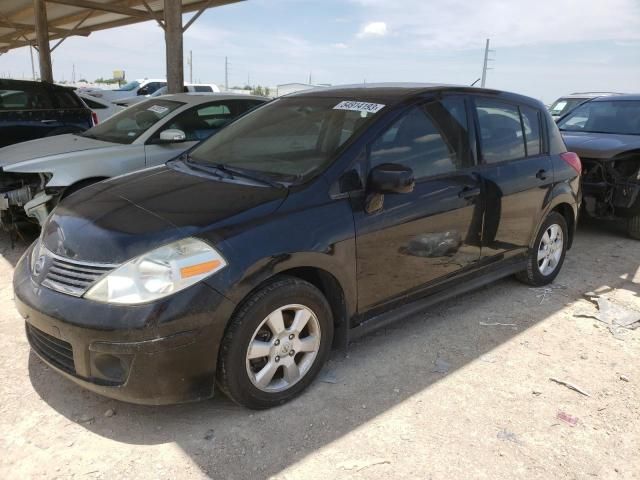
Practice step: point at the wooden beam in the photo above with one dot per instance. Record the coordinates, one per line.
(27, 14)
(195, 17)
(103, 7)
(42, 34)
(32, 28)
(173, 45)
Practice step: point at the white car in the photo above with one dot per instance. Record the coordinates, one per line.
(143, 86)
(102, 108)
(35, 175)
(188, 87)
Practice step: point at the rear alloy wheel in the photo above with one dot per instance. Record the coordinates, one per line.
(275, 344)
(546, 259)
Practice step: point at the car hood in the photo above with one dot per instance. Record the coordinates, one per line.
(45, 148)
(116, 220)
(600, 145)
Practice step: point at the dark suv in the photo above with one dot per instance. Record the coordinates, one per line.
(309, 221)
(30, 110)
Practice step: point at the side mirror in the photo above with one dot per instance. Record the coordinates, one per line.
(391, 178)
(143, 91)
(172, 135)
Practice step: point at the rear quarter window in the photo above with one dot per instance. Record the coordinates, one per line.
(531, 124)
(66, 99)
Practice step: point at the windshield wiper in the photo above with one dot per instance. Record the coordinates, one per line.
(224, 171)
(187, 160)
(250, 174)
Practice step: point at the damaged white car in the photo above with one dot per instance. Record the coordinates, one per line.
(35, 175)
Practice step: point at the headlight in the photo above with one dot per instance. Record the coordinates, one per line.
(36, 253)
(158, 273)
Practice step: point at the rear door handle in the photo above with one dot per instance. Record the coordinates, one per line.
(469, 192)
(542, 174)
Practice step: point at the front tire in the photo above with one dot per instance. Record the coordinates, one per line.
(275, 344)
(546, 258)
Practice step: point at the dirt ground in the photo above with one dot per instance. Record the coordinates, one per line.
(462, 392)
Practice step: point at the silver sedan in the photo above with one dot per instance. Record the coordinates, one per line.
(35, 175)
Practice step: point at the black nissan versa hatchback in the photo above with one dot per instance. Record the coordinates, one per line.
(305, 223)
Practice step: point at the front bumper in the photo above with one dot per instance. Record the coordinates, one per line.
(159, 353)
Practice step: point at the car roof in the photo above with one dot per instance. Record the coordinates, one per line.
(588, 95)
(394, 93)
(10, 82)
(196, 98)
(618, 98)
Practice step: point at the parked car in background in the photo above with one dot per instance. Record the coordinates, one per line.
(30, 110)
(605, 132)
(309, 221)
(103, 109)
(203, 88)
(565, 104)
(35, 175)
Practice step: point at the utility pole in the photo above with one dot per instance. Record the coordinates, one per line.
(226, 73)
(73, 73)
(485, 66)
(190, 62)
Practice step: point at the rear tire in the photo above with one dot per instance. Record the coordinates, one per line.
(547, 256)
(633, 227)
(275, 344)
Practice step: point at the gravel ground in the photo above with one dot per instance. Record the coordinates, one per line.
(462, 392)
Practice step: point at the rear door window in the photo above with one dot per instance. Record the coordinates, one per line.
(501, 133)
(28, 98)
(431, 139)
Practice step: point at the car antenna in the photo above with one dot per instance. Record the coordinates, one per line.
(475, 82)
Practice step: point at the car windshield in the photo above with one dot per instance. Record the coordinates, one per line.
(290, 139)
(609, 116)
(129, 124)
(564, 105)
(129, 86)
(160, 91)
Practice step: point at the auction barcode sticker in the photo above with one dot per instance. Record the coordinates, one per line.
(359, 106)
(159, 109)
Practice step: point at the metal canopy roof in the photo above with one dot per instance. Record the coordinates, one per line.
(81, 17)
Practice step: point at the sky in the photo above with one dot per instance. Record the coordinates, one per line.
(543, 48)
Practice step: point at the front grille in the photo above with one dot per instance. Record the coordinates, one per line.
(73, 277)
(58, 352)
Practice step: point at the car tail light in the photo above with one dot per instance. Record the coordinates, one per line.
(573, 160)
(94, 118)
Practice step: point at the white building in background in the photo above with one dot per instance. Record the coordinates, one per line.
(287, 88)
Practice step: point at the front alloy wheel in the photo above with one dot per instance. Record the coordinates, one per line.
(275, 344)
(283, 348)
